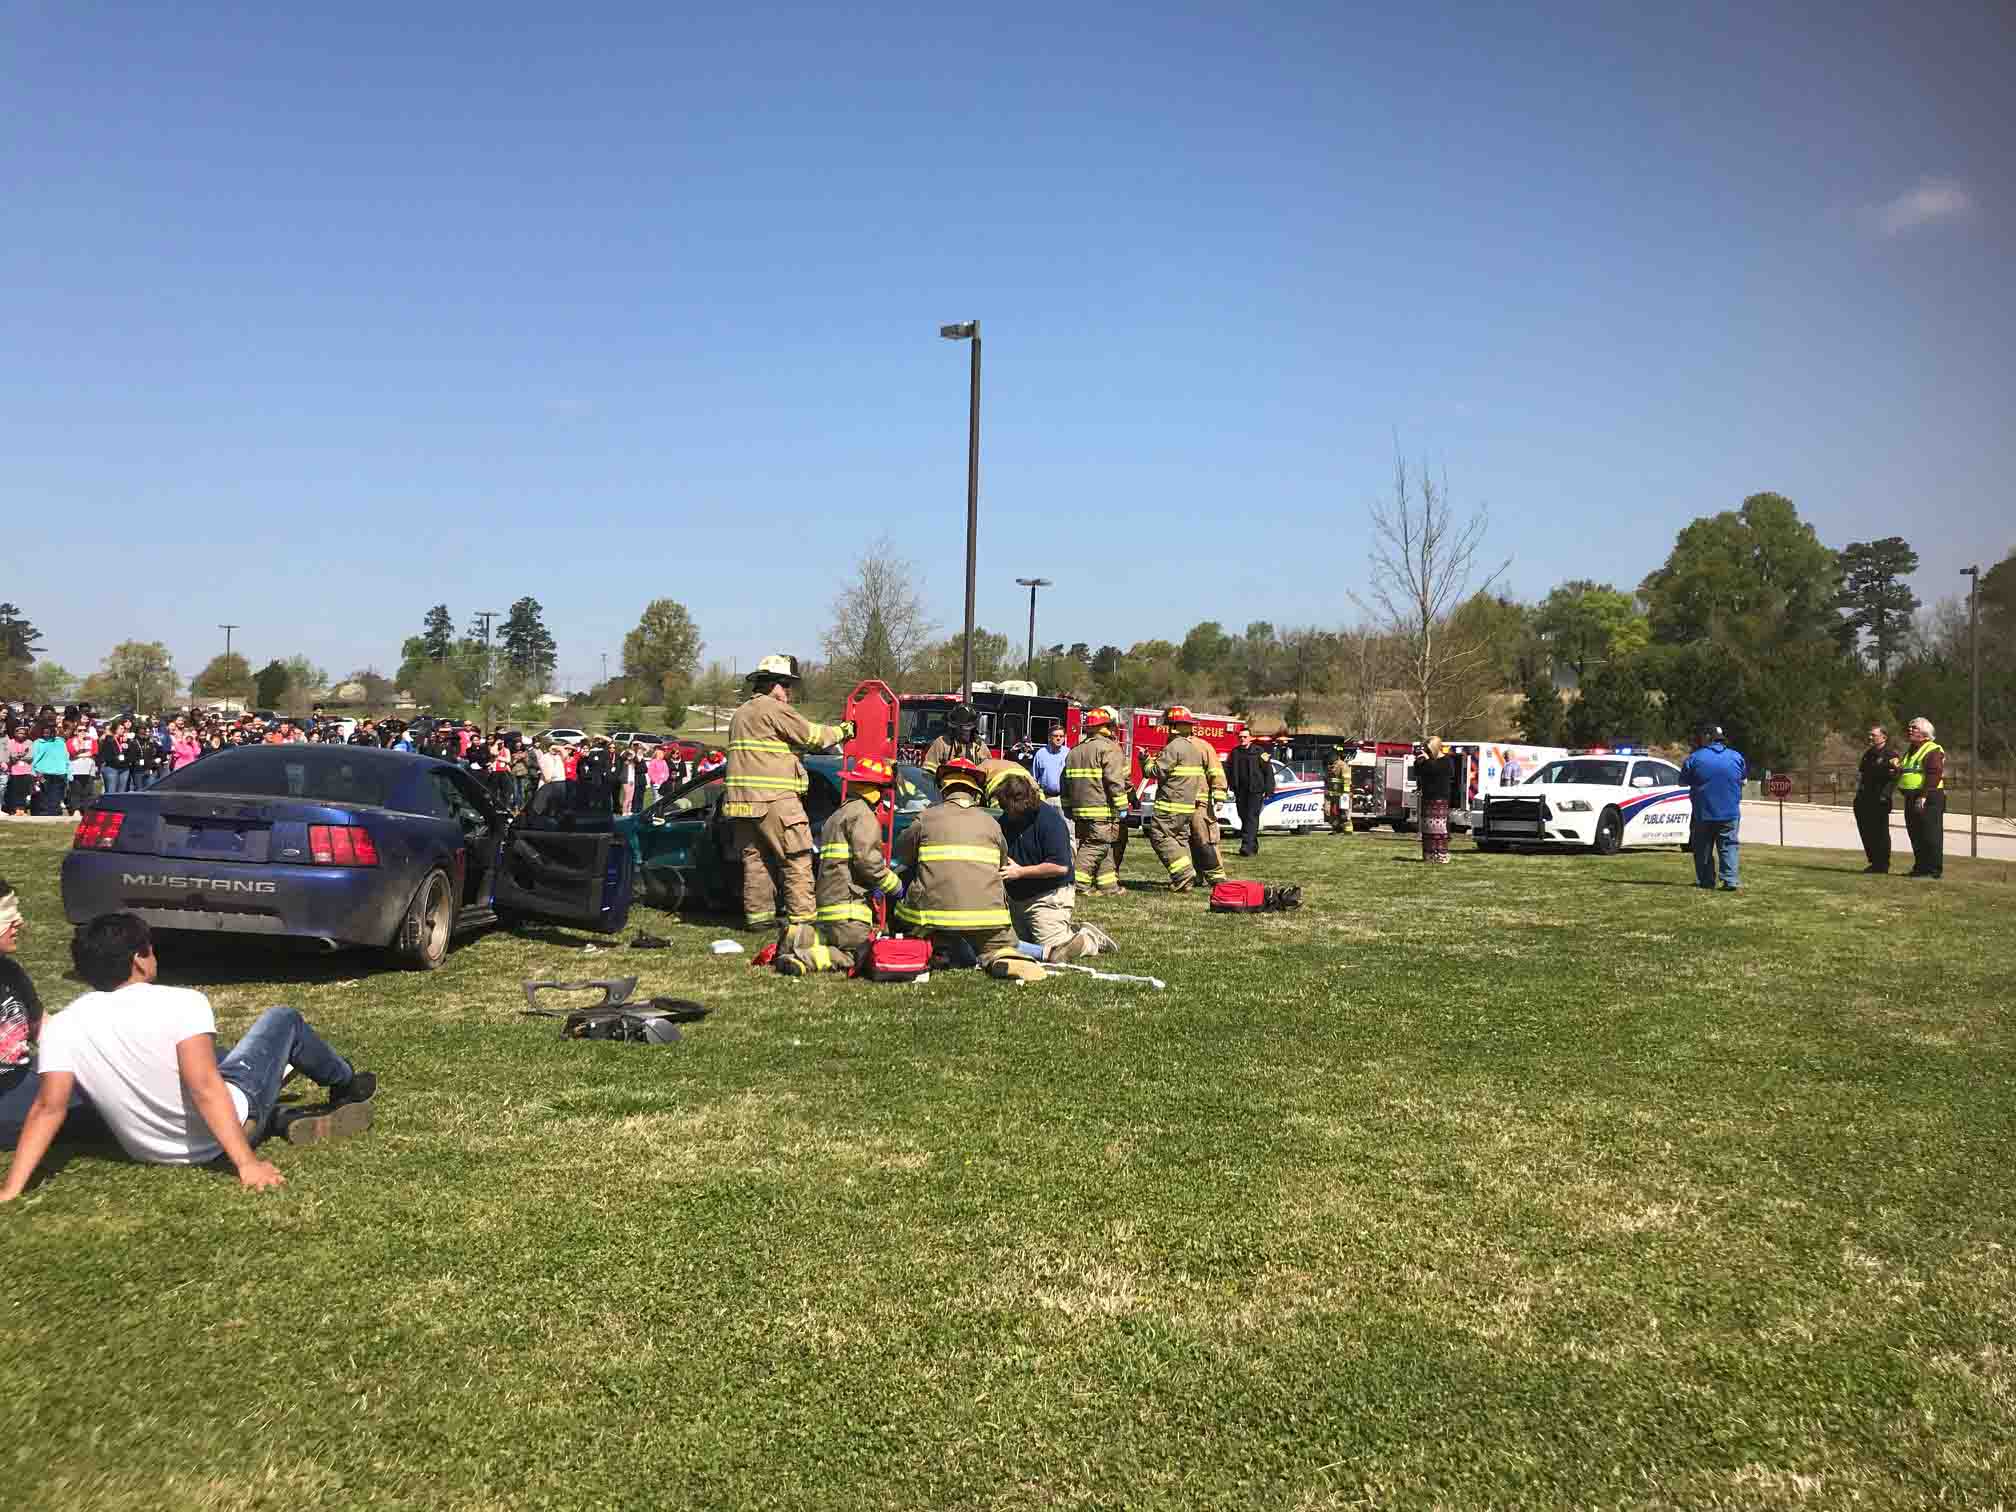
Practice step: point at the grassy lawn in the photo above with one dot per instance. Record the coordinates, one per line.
(1527, 1181)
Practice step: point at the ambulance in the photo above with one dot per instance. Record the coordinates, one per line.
(1493, 767)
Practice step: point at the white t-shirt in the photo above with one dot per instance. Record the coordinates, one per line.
(121, 1048)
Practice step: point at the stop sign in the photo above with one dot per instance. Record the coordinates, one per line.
(1778, 786)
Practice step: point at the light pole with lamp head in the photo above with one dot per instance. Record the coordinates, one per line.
(969, 330)
(1032, 584)
(227, 629)
(1974, 710)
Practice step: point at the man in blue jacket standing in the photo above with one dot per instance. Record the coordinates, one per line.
(1714, 776)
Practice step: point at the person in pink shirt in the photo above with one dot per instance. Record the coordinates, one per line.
(183, 746)
(19, 753)
(658, 771)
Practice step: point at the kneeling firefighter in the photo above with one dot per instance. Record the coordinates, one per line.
(953, 855)
(762, 796)
(1096, 781)
(852, 870)
(1190, 783)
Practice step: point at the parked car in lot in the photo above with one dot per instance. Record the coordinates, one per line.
(1599, 802)
(683, 850)
(562, 735)
(345, 845)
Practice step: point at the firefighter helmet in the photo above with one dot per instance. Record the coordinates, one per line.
(960, 770)
(867, 771)
(776, 668)
(1178, 714)
(1092, 719)
(962, 717)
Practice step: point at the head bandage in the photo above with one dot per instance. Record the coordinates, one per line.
(10, 912)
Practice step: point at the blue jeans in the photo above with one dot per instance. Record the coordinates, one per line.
(17, 1095)
(1714, 845)
(257, 1064)
(116, 779)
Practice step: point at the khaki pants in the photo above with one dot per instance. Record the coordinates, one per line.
(1046, 919)
(1095, 860)
(776, 851)
(836, 946)
(1337, 809)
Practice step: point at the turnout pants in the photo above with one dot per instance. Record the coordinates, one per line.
(1925, 822)
(992, 949)
(776, 850)
(1872, 819)
(834, 946)
(1337, 809)
(1186, 844)
(1096, 863)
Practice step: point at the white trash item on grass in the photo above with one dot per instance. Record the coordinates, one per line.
(1106, 976)
(725, 947)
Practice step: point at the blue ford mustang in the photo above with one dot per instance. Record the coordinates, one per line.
(346, 845)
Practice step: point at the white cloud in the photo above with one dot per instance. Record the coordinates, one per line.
(1927, 201)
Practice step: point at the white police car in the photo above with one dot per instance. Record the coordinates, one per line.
(1601, 799)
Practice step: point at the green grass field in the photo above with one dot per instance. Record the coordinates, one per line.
(1530, 1181)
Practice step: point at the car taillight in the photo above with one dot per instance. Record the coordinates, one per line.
(98, 829)
(341, 845)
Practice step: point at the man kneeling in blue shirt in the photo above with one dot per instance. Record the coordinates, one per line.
(1714, 776)
(1038, 876)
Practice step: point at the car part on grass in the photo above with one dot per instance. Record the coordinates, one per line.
(649, 942)
(614, 990)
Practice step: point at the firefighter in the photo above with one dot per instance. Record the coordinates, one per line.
(852, 870)
(952, 855)
(959, 739)
(1189, 784)
(1337, 792)
(1095, 800)
(761, 797)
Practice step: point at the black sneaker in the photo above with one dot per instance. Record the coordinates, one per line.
(361, 1088)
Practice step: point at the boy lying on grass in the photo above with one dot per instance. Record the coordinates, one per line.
(146, 1057)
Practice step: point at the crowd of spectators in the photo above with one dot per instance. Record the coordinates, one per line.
(57, 761)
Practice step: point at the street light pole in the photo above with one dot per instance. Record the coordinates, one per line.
(486, 615)
(970, 331)
(1032, 584)
(227, 629)
(1974, 711)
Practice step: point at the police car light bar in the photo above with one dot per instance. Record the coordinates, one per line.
(1613, 750)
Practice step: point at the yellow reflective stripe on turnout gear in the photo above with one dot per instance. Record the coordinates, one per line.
(1092, 811)
(890, 882)
(794, 784)
(1172, 807)
(833, 913)
(1185, 771)
(953, 918)
(834, 850)
(1092, 774)
(1082, 879)
(760, 745)
(822, 958)
(985, 854)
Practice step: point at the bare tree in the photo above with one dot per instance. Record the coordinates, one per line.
(878, 627)
(1424, 559)
(1363, 657)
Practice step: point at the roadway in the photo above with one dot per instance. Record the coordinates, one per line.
(1830, 828)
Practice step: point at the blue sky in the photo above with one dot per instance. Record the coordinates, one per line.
(314, 321)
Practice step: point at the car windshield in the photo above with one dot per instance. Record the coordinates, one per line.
(322, 773)
(916, 789)
(1581, 774)
(694, 798)
(924, 723)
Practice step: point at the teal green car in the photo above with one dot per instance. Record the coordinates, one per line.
(684, 850)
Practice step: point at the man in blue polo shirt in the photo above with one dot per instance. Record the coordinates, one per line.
(1714, 776)
(1047, 767)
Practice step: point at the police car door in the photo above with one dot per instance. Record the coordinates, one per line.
(1654, 813)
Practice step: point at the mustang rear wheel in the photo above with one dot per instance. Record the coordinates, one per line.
(430, 921)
